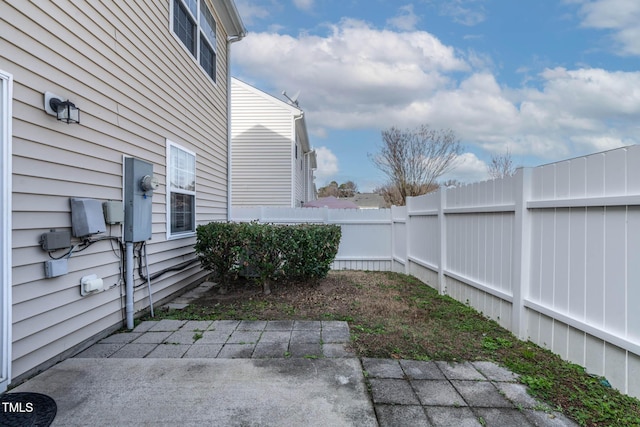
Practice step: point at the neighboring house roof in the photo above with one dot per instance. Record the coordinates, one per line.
(368, 200)
(331, 203)
(298, 113)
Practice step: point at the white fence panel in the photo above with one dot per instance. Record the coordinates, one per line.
(399, 238)
(366, 233)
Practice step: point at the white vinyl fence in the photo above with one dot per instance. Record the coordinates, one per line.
(552, 253)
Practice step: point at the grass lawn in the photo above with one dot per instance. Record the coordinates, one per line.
(396, 316)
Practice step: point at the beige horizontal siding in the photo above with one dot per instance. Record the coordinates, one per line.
(136, 86)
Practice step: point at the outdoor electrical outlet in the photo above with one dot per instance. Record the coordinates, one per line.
(55, 268)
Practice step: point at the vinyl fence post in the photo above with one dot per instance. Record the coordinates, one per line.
(407, 234)
(442, 239)
(521, 271)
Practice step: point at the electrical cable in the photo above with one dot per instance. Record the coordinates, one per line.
(178, 267)
(146, 264)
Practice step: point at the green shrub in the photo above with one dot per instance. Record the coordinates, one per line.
(218, 245)
(310, 250)
(267, 252)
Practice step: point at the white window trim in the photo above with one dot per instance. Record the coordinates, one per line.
(6, 96)
(185, 234)
(196, 59)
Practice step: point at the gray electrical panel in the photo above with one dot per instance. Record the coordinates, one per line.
(87, 217)
(54, 240)
(139, 184)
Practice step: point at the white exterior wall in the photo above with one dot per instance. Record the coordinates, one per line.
(265, 133)
(120, 63)
(262, 135)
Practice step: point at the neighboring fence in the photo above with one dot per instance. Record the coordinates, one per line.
(366, 233)
(552, 253)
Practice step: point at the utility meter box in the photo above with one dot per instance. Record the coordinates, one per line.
(139, 184)
(87, 217)
(113, 212)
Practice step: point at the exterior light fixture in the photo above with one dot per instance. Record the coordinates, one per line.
(65, 111)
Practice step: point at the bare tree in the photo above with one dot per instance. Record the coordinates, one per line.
(414, 159)
(392, 196)
(501, 165)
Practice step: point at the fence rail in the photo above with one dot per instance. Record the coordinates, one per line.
(552, 253)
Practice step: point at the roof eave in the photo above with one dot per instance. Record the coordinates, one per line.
(230, 18)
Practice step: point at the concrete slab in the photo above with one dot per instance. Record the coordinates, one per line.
(100, 350)
(517, 393)
(214, 337)
(152, 337)
(437, 393)
(252, 325)
(236, 351)
(244, 337)
(197, 325)
(305, 336)
(495, 372)
(333, 335)
(420, 370)
(392, 391)
(169, 351)
(549, 419)
(481, 394)
(270, 350)
(460, 371)
(275, 336)
(502, 417)
(279, 325)
(167, 325)
(382, 368)
(307, 324)
(401, 416)
(442, 416)
(197, 392)
(134, 350)
(306, 350)
(183, 337)
(203, 351)
(124, 338)
(337, 350)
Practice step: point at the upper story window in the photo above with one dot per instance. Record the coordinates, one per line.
(194, 25)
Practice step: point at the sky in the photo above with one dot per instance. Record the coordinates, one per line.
(546, 80)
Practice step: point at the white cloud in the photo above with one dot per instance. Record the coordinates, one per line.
(360, 77)
(305, 5)
(465, 12)
(468, 168)
(327, 165)
(250, 11)
(353, 73)
(622, 17)
(406, 20)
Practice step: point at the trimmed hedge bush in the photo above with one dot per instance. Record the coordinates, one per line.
(267, 252)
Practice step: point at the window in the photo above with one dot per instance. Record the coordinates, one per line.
(194, 25)
(181, 191)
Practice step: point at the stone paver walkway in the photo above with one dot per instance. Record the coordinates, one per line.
(403, 392)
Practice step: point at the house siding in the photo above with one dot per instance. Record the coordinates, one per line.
(136, 87)
(262, 137)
